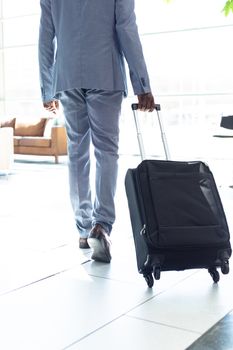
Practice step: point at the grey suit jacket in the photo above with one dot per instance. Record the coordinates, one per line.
(82, 44)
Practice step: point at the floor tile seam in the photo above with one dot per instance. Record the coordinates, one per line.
(59, 273)
(108, 278)
(150, 297)
(127, 316)
(114, 320)
(37, 281)
(45, 251)
(209, 313)
(225, 315)
(94, 331)
(128, 282)
(87, 260)
(163, 291)
(109, 322)
(200, 334)
(176, 283)
(156, 295)
(164, 324)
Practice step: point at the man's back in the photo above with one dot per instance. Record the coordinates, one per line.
(87, 44)
(92, 37)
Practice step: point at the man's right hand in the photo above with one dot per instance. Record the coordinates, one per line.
(146, 102)
(51, 106)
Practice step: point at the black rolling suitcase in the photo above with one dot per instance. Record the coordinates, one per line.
(177, 217)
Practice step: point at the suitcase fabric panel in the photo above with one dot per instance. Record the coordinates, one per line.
(181, 208)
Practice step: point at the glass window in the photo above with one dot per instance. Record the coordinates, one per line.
(1, 77)
(21, 31)
(13, 8)
(21, 73)
(24, 107)
(1, 35)
(159, 16)
(189, 62)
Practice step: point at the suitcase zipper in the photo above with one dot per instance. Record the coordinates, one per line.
(143, 230)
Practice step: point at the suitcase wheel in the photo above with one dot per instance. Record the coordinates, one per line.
(214, 274)
(225, 267)
(149, 280)
(156, 272)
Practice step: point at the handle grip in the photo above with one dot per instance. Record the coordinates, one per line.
(134, 107)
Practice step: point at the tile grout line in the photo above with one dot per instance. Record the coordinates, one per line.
(10, 291)
(164, 324)
(32, 283)
(125, 314)
(118, 280)
(108, 323)
(144, 320)
(40, 280)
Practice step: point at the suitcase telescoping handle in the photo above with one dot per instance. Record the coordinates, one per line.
(134, 107)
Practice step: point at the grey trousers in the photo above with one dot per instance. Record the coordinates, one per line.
(92, 116)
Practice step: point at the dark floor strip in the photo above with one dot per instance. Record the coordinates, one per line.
(219, 337)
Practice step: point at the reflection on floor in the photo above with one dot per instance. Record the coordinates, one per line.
(53, 297)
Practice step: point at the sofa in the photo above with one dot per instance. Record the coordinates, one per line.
(37, 137)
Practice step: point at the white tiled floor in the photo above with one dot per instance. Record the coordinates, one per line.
(53, 297)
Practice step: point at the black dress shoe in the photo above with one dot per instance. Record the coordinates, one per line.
(83, 244)
(99, 241)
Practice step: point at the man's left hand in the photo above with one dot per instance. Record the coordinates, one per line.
(51, 106)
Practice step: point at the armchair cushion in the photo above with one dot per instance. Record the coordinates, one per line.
(34, 142)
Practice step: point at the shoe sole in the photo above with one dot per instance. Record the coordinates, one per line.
(101, 251)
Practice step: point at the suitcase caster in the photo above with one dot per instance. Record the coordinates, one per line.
(149, 280)
(214, 274)
(225, 267)
(156, 272)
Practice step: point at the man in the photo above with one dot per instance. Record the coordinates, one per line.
(82, 45)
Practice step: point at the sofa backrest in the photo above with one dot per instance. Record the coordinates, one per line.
(27, 127)
(8, 123)
(33, 127)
